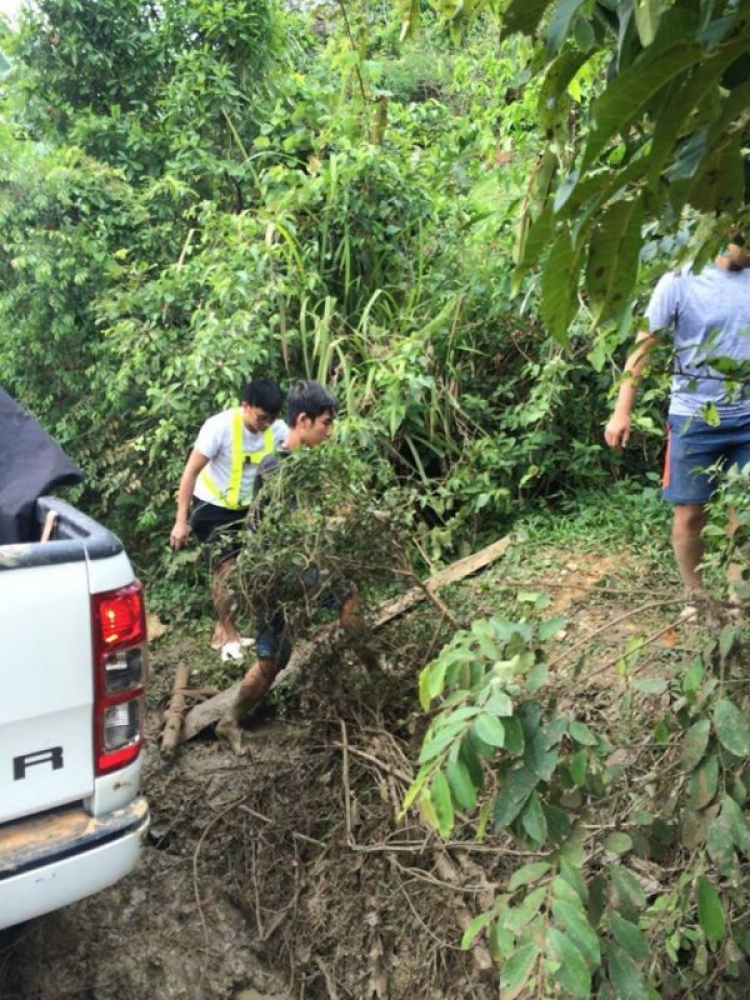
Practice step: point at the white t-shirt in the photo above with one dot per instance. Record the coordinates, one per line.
(215, 442)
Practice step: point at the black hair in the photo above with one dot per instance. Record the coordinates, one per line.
(264, 393)
(310, 398)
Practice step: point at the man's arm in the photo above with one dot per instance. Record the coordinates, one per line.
(617, 431)
(181, 530)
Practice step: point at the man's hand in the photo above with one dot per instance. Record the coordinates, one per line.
(617, 431)
(179, 535)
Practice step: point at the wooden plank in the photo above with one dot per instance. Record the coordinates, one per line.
(458, 570)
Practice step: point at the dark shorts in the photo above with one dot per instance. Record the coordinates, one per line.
(218, 529)
(694, 447)
(272, 636)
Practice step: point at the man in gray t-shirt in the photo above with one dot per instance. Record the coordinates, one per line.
(708, 317)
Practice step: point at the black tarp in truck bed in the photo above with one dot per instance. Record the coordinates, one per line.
(31, 464)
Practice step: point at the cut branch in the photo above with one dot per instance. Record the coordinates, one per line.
(330, 636)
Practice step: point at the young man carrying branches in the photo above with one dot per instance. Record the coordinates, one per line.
(311, 415)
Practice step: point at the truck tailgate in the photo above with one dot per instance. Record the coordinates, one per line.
(46, 678)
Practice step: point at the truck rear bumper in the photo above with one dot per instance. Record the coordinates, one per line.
(51, 860)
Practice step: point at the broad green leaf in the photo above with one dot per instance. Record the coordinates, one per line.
(553, 104)
(470, 758)
(531, 244)
(720, 183)
(512, 798)
(570, 874)
(533, 820)
(514, 739)
(414, 789)
(556, 728)
(559, 24)
(710, 911)
(573, 974)
(575, 921)
(737, 824)
(476, 926)
(427, 809)
(562, 889)
(727, 639)
(651, 685)
(515, 918)
(720, 842)
(732, 728)
(618, 843)
(582, 734)
(524, 16)
(528, 874)
(647, 14)
(537, 678)
(630, 937)
(500, 703)
(540, 756)
(695, 743)
(558, 824)
(440, 796)
(613, 257)
(634, 88)
(424, 688)
(516, 971)
(673, 117)
(436, 743)
(490, 729)
(577, 766)
(550, 627)
(461, 785)
(573, 850)
(627, 896)
(625, 976)
(704, 782)
(502, 943)
(559, 303)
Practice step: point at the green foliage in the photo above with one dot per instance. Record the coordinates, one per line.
(216, 215)
(326, 520)
(643, 107)
(504, 755)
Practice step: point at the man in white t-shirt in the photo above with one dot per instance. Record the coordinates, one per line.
(218, 482)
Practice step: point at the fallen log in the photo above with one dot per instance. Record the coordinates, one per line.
(170, 736)
(210, 711)
(458, 570)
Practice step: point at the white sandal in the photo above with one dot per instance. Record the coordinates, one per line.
(245, 642)
(231, 651)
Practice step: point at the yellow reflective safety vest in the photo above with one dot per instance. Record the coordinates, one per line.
(230, 497)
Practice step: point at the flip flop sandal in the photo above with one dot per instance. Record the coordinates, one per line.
(245, 642)
(231, 651)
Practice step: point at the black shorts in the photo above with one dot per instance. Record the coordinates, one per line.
(219, 529)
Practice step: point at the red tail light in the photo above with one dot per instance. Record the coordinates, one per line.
(120, 665)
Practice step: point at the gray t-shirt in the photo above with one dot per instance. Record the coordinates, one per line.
(710, 316)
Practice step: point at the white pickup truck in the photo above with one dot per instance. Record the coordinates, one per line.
(73, 662)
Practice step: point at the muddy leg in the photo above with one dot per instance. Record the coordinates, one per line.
(225, 629)
(256, 683)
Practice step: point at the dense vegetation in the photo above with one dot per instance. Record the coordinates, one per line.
(199, 192)
(456, 229)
